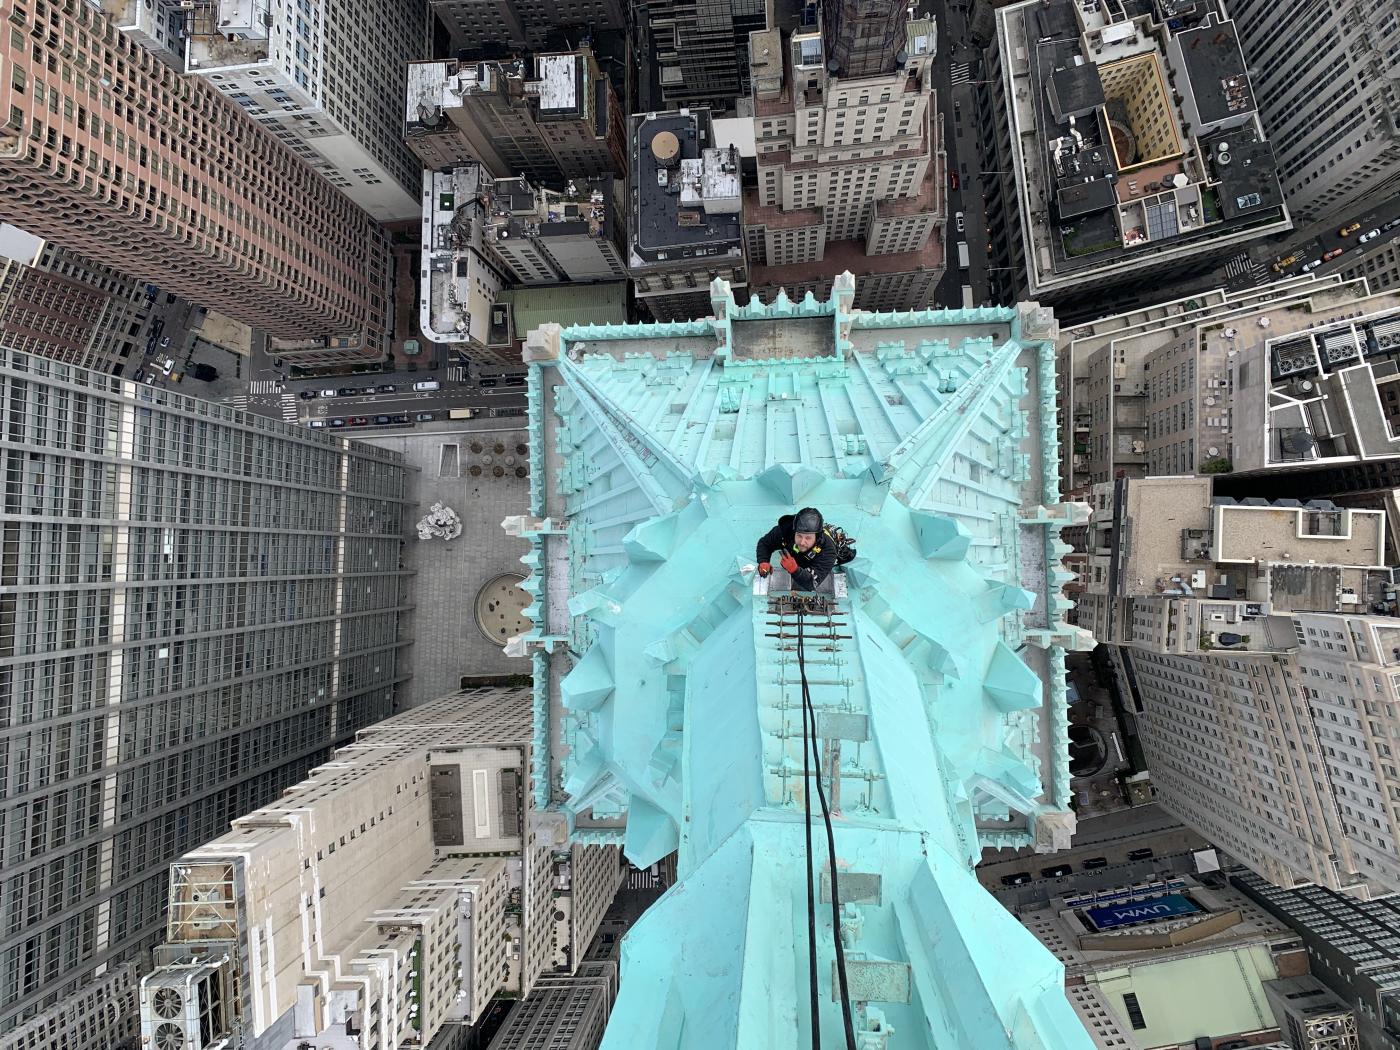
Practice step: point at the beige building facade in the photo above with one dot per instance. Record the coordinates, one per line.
(400, 887)
(1251, 641)
(107, 151)
(850, 172)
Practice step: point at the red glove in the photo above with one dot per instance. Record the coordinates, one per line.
(789, 562)
(764, 569)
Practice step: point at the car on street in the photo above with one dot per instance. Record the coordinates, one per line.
(165, 364)
(381, 421)
(165, 341)
(1057, 871)
(331, 392)
(1141, 853)
(1369, 235)
(424, 417)
(1349, 229)
(487, 383)
(150, 380)
(960, 222)
(1329, 256)
(953, 179)
(1019, 878)
(307, 395)
(1391, 225)
(1310, 267)
(385, 388)
(1284, 263)
(358, 421)
(399, 419)
(1095, 862)
(426, 384)
(347, 391)
(335, 422)
(317, 423)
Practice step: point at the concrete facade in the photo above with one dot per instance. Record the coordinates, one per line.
(1332, 108)
(851, 171)
(324, 78)
(156, 174)
(399, 888)
(182, 640)
(1253, 643)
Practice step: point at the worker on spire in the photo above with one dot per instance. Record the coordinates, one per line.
(806, 549)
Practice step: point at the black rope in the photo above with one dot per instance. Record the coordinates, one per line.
(816, 1024)
(809, 714)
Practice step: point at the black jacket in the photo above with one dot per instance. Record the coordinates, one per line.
(813, 565)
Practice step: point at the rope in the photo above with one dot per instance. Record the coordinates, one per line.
(816, 1024)
(809, 716)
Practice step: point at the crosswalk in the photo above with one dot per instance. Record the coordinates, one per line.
(1243, 266)
(289, 409)
(263, 386)
(457, 373)
(642, 880)
(962, 73)
(239, 402)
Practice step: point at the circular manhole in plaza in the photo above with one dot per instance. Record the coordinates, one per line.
(520, 450)
(476, 447)
(500, 608)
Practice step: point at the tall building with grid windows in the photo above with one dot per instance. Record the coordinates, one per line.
(58, 304)
(391, 894)
(325, 77)
(850, 171)
(472, 24)
(1327, 76)
(196, 606)
(109, 152)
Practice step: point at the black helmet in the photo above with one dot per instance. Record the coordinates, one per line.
(808, 519)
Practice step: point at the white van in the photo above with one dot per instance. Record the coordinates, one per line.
(427, 384)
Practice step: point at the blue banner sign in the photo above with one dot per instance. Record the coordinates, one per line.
(1140, 911)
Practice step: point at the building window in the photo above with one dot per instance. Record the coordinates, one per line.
(1130, 1003)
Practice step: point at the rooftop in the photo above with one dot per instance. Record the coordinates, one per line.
(1216, 71)
(561, 84)
(1107, 175)
(674, 219)
(516, 210)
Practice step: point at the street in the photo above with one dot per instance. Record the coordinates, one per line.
(1329, 240)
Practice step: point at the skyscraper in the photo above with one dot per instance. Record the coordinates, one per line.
(702, 49)
(196, 605)
(521, 23)
(850, 171)
(326, 79)
(396, 890)
(1332, 108)
(107, 151)
(70, 309)
(548, 118)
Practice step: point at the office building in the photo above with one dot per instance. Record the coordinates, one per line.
(397, 889)
(702, 49)
(1311, 1015)
(1128, 146)
(547, 118)
(548, 237)
(1287, 376)
(459, 279)
(62, 306)
(1257, 644)
(563, 1012)
(1378, 263)
(1332, 107)
(850, 171)
(1352, 949)
(196, 605)
(156, 25)
(666, 447)
(483, 236)
(683, 226)
(474, 25)
(324, 78)
(158, 175)
(1135, 951)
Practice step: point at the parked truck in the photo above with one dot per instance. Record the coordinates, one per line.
(962, 254)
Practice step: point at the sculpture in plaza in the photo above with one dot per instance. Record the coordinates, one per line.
(440, 523)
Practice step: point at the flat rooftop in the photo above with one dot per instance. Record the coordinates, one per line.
(561, 84)
(1216, 69)
(658, 236)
